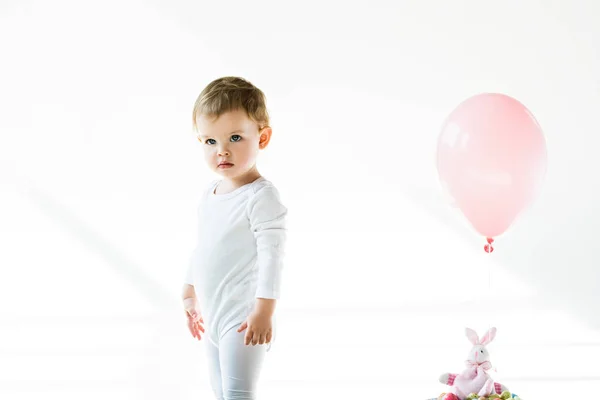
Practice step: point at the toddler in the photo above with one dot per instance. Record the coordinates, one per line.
(234, 277)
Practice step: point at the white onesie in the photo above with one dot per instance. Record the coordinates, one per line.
(239, 254)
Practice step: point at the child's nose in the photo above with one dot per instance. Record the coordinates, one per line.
(223, 152)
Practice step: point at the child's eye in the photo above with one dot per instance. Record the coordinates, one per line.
(211, 141)
(236, 138)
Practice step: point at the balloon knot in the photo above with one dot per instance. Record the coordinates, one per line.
(488, 247)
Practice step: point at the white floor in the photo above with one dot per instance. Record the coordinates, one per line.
(78, 320)
(317, 357)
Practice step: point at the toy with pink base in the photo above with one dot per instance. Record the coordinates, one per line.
(475, 378)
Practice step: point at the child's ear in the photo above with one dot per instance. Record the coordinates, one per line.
(265, 137)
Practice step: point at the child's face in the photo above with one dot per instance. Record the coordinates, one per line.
(231, 143)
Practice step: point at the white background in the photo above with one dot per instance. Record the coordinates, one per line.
(100, 174)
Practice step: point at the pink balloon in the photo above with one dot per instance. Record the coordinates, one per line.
(491, 159)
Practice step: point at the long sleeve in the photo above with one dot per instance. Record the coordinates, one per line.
(189, 273)
(267, 216)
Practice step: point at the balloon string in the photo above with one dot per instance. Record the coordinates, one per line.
(489, 251)
(490, 278)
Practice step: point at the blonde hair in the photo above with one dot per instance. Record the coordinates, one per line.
(231, 93)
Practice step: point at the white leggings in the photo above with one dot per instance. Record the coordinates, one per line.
(234, 368)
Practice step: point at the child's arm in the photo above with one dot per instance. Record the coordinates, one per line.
(188, 295)
(258, 323)
(265, 307)
(267, 217)
(190, 305)
(188, 291)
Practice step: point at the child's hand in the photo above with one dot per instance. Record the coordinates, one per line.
(194, 319)
(259, 329)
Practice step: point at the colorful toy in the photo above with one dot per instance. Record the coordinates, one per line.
(503, 396)
(475, 380)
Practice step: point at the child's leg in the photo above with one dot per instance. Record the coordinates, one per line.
(240, 366)
(214, 368)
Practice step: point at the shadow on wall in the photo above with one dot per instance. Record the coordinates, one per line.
(101, 246)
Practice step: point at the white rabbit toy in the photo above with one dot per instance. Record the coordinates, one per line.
(474, 379)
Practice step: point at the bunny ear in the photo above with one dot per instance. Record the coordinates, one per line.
(489, 336)
(472, 335)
